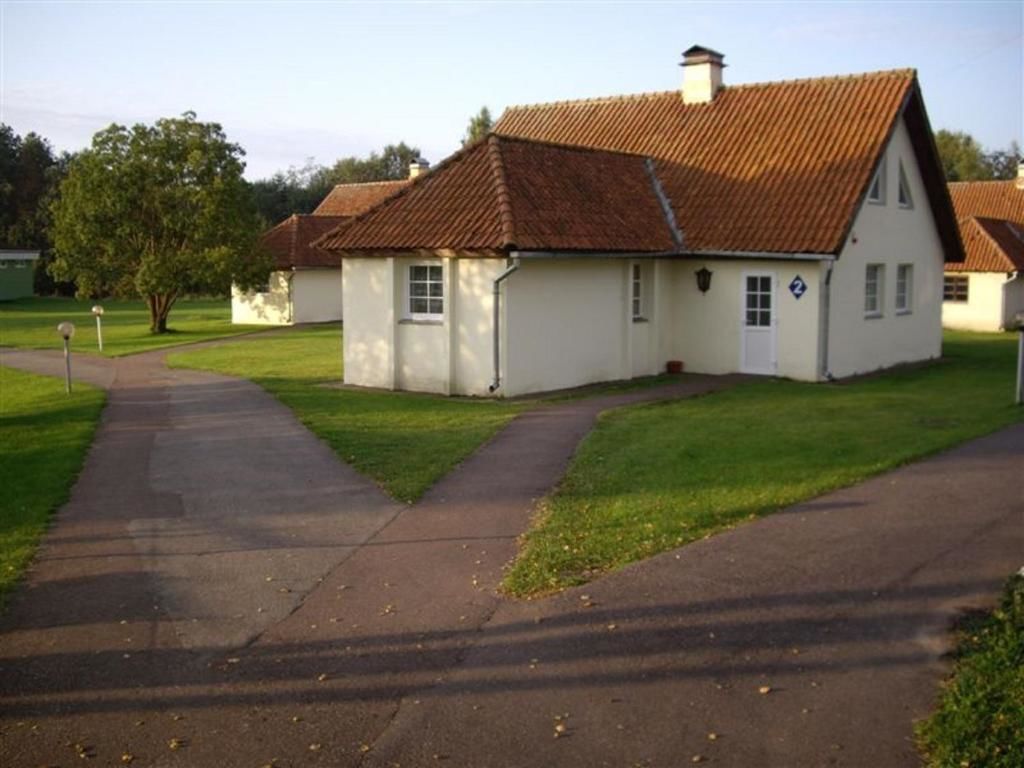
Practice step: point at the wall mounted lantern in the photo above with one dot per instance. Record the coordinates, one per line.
(703, 279)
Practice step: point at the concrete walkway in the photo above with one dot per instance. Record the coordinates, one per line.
(219, 578)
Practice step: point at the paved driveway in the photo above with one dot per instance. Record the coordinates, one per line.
(222, 591)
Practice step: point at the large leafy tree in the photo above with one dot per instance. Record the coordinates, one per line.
(158, 211)
(479, 126)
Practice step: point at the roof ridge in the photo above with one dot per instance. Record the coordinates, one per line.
(568, 147)
(370, 183)
(983, 181)
(497, 165)
(615, 98)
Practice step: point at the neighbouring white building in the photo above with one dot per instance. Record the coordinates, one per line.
(985, 291)
(795, 229)
(305, 285)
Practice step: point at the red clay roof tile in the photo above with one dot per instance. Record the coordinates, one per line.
(290, 242)
(991, 219)
(353, 199)
(504, 193)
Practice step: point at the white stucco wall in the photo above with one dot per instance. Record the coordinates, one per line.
(369, 338)
(270, 308)
(316, 295)
(473, 338)
(707, 329)
(888, 235)
(991, 303)
(568, 323)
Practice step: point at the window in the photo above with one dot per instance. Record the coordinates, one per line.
(759, 301)
(904, 198)
(954, 288)
(876, 192)
(874, 290)
(904, 288)
(637, 293)
(426, 292)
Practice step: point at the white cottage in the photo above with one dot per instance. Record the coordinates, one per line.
(304, 284)
(795, 229)
(985, 291)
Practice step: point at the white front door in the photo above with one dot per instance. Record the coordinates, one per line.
(758, 323)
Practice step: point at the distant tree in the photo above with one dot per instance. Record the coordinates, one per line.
(300, 190)
(29, 174)
(389, 165)
(963, 158)
(1004, 163)
(479, 126)
(158, 211)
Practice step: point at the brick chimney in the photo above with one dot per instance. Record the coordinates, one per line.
(702, 74)
(418, 167)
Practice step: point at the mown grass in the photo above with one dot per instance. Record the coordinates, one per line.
(980, 717)
(654, 477)
(32, 323)
(44, 436)
(405, 442)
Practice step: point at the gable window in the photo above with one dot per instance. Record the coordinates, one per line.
(876, 192)
(874, 278)
(954, 288)
(903, 196)
(426, 292)
(904, 288)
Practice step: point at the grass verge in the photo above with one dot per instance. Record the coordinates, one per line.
(654, 477)
(405, 442)
(44, 435)
(32, 323)
(980, 718)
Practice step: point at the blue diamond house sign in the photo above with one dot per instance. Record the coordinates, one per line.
(798, 287)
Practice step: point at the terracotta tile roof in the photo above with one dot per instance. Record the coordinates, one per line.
(991, 245)
(290, 242)
(506, 194)
(353, 199)
(774, 167)
(991, 219)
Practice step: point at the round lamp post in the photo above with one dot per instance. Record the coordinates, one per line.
(97, 312)
(66, 331)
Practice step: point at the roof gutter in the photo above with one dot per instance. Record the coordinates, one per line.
(496, 325)
(761, 255)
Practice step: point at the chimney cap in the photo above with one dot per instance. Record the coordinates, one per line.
(698, 54)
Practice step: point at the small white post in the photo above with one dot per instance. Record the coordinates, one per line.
(98, 313)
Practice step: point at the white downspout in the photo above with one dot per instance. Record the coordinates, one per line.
(291, 299)
(496, 382)
(826, 371)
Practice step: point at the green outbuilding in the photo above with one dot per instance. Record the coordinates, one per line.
(16, 272)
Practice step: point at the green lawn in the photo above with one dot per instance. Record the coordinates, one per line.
(32, 323)
(44, 435)
(651, 478)
(405, 442)
(980, 718)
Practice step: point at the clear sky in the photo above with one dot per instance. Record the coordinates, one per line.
(291, 81)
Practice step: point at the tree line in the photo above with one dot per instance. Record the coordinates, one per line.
(163, 211)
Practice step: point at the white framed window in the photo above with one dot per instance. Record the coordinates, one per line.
(955, 288)
(425, 292)
(876, 192)
(874, 290)
(636, 293)
(904, 288)
(903, 196)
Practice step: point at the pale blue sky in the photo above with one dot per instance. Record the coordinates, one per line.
(290, 81)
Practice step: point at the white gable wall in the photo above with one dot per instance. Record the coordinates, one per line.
(369, 337)
(262, 308)
(316, 295)
(888, 235)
